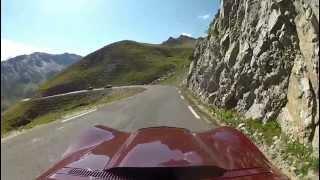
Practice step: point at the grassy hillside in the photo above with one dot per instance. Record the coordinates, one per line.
(121, 63)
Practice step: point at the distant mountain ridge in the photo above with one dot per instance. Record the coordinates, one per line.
(21, 75)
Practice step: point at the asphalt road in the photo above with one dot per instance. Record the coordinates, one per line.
(27, 155)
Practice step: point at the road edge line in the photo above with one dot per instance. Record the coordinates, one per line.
(193, 112)
(79, 115)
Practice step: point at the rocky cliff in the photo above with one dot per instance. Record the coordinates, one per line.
(260, 58)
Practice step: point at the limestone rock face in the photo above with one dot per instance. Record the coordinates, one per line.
(261, 58)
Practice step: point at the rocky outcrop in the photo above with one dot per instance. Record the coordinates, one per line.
(182, 40)
(261, 58)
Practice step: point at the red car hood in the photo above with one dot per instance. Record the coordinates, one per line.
(102, 148)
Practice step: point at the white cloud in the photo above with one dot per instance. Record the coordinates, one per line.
(11, 49)
(187, 34)
(204, 17)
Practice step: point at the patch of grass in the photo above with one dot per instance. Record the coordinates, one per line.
(315, 164)
(182, 68)
(234, 119)
(297, 154)
(301, 154)
(44, 119)
(266, 135)
(269, 129)
(178, 76)
(25, 115)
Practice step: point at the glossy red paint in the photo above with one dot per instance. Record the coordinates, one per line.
(161, 148)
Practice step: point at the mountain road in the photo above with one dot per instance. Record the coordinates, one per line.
(27, 155)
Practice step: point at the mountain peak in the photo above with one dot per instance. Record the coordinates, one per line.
(182, 40)
(185, 37)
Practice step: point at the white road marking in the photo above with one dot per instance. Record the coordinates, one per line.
(193, 112)
(27, 99)
(79, 115)
(97, 89)
(57, 95)
(52, 159)
(34, 140)
(181, 97)
(59, 128)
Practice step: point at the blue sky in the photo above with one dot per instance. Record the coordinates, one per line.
(82, 26)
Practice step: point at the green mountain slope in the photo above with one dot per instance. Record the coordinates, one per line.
(120, 63)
